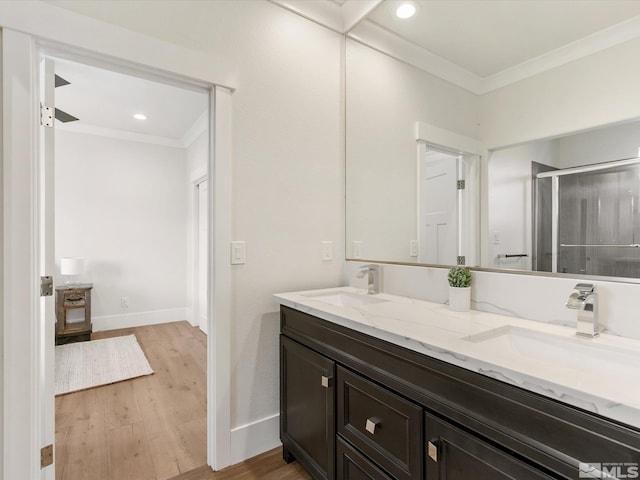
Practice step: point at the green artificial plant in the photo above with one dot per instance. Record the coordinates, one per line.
(460, 277)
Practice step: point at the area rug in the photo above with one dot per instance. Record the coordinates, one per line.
(99, 362)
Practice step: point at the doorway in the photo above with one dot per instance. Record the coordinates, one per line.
(27, 345)
(120, 200)
(447, 203)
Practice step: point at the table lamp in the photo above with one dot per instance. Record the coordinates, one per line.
(71, 267)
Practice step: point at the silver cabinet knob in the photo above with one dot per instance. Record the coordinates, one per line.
(371, 425)
(325, 381)
(432, 450)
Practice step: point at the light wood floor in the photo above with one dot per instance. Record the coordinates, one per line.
(268, 466)
(148, 428)
(153, 427)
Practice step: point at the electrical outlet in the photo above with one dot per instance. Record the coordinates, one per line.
(496, 238)
(327, 251)
(124, 302)
(413, 248)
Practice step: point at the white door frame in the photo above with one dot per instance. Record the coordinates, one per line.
(21, 334)
(195, 246)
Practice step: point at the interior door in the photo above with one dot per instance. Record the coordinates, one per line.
(438, 209)
(47, 262)
(203, 257)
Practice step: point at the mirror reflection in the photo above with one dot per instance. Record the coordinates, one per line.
(506, 103)
(411, 186)
(569, 204)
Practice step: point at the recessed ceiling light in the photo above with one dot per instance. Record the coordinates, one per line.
(140, 116)
(406, 10)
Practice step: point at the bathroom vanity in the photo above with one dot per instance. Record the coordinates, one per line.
(385, 387)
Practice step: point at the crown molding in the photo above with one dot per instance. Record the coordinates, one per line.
(373, 35)
(120, 134)
(350, 19)
(328, 14)
(336, 17)
(594, 43)
(355, 11)
(197, 129)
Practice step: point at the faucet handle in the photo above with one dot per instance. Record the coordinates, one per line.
(370, 266)
(585, 288)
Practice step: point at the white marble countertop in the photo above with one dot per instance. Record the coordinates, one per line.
(606, 383)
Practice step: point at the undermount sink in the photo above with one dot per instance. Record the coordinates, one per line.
(560, 351)
(345, 299)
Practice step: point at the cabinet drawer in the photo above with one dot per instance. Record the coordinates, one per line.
(457, 455)
(384, 426)
(74, 299)
(351, 465)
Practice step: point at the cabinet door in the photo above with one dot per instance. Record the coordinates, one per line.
(352, 465)
(453, 454)
(307, 406)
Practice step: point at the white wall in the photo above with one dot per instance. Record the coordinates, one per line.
(122, 206)
(509, 199)
(288, 187)
(602, 145)
(384, 99)
(197, 156)
(288, 167)
(596, 90)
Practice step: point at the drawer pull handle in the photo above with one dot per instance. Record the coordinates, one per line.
(325, 381)
(432, 450)
(371, 425)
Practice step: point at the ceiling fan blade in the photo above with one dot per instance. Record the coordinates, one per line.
(64, 117)
(61, 82)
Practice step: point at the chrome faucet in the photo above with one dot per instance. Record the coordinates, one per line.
(374, 277)
(585, 300)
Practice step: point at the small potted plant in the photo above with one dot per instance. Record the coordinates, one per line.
(460, 289)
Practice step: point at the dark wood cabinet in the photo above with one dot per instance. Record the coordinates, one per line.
(307, 401)
(453, 454)
(385, 427)
(430, 420)
(352, 465)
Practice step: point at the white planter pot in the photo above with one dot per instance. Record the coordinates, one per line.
(460, 299)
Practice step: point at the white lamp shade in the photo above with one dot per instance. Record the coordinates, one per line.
(71, 265)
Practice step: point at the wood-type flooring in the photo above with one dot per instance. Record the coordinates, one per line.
(152, 427)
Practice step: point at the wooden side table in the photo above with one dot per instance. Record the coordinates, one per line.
(73, 297)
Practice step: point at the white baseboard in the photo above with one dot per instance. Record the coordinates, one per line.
(191, 317)
(254, 438)
(139, 319)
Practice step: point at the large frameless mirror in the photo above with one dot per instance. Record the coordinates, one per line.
(501, 150)
(568, 204)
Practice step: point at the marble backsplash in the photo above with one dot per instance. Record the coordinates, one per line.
(526, 296)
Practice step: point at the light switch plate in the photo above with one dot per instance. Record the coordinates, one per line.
(238, 252)
(327, 251)
(413, 248)
(357, 249)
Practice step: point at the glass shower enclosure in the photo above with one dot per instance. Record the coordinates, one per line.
(586, 219)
